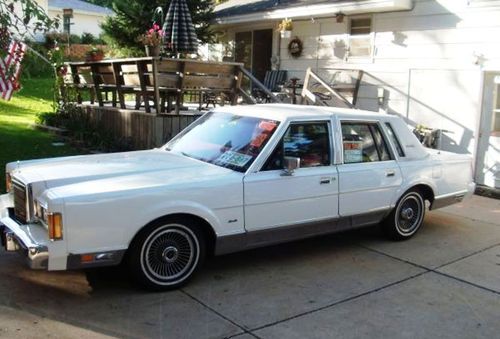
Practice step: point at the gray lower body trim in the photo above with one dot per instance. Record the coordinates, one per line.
(254, 239)
(101, 259)
(446, 200)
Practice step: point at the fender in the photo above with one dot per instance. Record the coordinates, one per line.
(184, 207)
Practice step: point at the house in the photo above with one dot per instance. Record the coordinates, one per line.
(87, 17)
(434, 62)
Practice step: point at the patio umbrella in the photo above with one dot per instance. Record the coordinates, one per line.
(180, 36)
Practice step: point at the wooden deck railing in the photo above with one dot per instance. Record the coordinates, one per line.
(161, 80)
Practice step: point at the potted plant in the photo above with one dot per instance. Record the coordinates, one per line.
(285, 27)
(94, 54)
(152, 40)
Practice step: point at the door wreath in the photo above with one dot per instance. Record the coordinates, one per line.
(295, 47)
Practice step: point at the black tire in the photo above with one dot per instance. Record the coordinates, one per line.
(406, 218)
(166, 254)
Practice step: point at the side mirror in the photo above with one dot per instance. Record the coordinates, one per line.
(290, 165)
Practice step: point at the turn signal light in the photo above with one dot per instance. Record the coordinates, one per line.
(54, 221)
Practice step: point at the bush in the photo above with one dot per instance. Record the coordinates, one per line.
(88, 39)
(33, 65)
(115, 51)
(83, 131)
(53, 38)
(75, 39)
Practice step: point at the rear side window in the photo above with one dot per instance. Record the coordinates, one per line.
(394, 139)
(363, 142)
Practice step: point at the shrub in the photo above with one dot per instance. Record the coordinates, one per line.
(88, 39)
(74, 39)
(54, 38)
(33, 65)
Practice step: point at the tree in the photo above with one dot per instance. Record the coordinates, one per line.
(22, 18)
(134, 17)
(103, 3)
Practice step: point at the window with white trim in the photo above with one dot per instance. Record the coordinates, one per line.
(360, 37)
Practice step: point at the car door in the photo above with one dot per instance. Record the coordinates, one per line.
(309, 194)
(369, 176)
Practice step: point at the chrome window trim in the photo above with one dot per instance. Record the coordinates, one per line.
(282, 132)
(366, 121)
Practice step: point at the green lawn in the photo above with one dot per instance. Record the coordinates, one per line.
(19, 141)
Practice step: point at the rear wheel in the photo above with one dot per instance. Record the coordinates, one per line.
(407, 217)
(165, 255)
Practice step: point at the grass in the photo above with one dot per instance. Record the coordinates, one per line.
(18, 140)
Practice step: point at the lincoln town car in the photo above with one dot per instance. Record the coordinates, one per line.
(239, 177)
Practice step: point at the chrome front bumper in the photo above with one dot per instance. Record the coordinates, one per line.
(31, 240)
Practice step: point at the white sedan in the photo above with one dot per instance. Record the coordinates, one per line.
(237, 178)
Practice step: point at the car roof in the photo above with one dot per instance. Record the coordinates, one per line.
(282, 112)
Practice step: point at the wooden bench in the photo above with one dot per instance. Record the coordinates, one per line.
(103, 74)
(162, 80)
(80, 79)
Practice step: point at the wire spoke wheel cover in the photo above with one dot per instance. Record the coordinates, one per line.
(169, 254)
(409, 214)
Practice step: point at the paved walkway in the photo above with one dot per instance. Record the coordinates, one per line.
(445, 283)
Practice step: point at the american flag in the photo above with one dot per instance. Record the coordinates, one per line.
(10, 69)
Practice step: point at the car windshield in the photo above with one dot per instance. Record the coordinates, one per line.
(225, 139)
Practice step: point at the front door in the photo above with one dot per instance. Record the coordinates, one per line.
(262, 52)
(254, 49)
(488, 148)
(369, 176)
(308, 195)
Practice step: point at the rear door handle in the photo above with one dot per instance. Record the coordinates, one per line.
(390, 173)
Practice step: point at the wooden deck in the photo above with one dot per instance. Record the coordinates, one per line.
(145, 130)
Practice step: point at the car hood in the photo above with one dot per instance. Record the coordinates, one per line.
(64, 171)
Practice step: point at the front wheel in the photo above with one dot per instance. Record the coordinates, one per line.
(406, 218)
(165, 255)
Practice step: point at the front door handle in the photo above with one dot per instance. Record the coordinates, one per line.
(390, 173)
(326, 181)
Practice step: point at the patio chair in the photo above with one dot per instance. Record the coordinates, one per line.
(272, 81)
(215, 82)
(103, 76)
(132, 79)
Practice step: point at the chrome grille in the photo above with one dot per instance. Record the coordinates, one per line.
(20, 202)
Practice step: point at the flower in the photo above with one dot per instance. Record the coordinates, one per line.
(153, 36)
(285, 25)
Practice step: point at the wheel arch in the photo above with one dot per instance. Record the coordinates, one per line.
(207, 229)
(425, 187)
(426, 190)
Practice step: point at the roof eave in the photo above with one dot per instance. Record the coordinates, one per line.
(321, 10)
(79, 11)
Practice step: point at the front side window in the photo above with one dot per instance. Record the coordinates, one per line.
(310, 142)
(363, 142)
(225, 139)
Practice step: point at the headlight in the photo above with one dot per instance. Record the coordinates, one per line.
(8, 181)
(40, 212)
(54, 222)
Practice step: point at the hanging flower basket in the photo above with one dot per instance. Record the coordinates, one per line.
(286, 34)
(285, 27)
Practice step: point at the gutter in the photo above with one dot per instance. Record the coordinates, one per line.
(79, 11)
(321, 10)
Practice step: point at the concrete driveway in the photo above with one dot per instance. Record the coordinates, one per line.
(445, 283)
